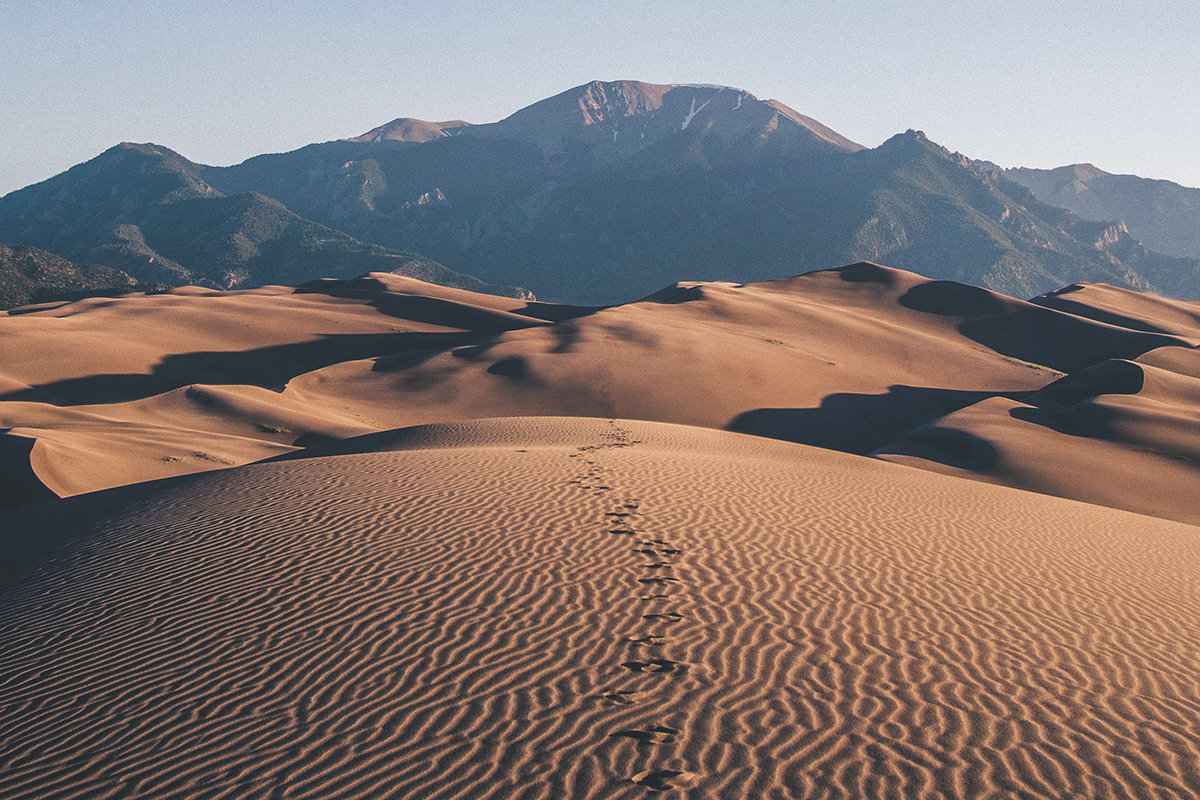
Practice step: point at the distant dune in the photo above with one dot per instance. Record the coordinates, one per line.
(571, 607)
(1120, 432)
(1091, 392)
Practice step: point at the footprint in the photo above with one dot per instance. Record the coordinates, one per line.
(619, 697)
(666, 551)
(658, 565)
(660, 780)
(668, 616)
(649, 640)
(663, 665)
(653, 541)
(617, 514)
(647, 551)
(655, 596)
(658, 734)
(658, 581)
(622, 531)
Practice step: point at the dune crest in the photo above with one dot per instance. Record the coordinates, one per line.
(862, 358)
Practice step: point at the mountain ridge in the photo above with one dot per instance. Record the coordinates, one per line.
(1163, 214)
(29, 275)
(604, 192)
(145, 210)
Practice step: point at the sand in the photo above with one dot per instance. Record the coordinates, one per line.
(555, 607)
(1122, 432)
(378, 538)
(862, 359)
(113, 391)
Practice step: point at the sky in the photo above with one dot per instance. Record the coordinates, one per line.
(1018, 83)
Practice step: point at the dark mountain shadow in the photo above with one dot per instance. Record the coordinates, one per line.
(859, 423)
(265, 367)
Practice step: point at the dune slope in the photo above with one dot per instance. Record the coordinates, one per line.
(1089, 393)
(544, 608)
(114, 391)
(1123, 432)
(848, 359)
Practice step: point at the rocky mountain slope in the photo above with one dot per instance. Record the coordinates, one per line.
(597, 195)
(145, 210)
(1163, 214)
(608, 190)
(29, 275)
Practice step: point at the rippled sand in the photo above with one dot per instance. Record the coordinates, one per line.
(549, 608)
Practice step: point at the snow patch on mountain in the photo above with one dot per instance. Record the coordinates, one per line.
(691, 115)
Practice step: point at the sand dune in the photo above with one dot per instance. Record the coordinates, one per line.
(401, 598)
(116, 349)
(548, 608)
(1120, 433)
(854, 359)
(120, 390)
(1136, 310)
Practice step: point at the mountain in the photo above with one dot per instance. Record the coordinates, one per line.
(29, 275)
(610, 189)
(407, 129)
(596, 195)
(1163, 214)
(144, 209)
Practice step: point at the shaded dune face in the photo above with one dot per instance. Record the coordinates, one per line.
(552, 608)
(862, 358)
(1121, 431)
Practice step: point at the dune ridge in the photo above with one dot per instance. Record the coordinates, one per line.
(552, 607)
(1122, 432)
(862, 358)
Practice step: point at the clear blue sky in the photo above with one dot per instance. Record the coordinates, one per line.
(1019, 83)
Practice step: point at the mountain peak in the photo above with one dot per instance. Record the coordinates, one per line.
(607, 120)
(814, 127)
(591, 103)
(1086, 172)
(408, 129)
(615, 118)
(1079, 172)
(910, 144)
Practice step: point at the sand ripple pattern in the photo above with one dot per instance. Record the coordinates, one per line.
(460, 622)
